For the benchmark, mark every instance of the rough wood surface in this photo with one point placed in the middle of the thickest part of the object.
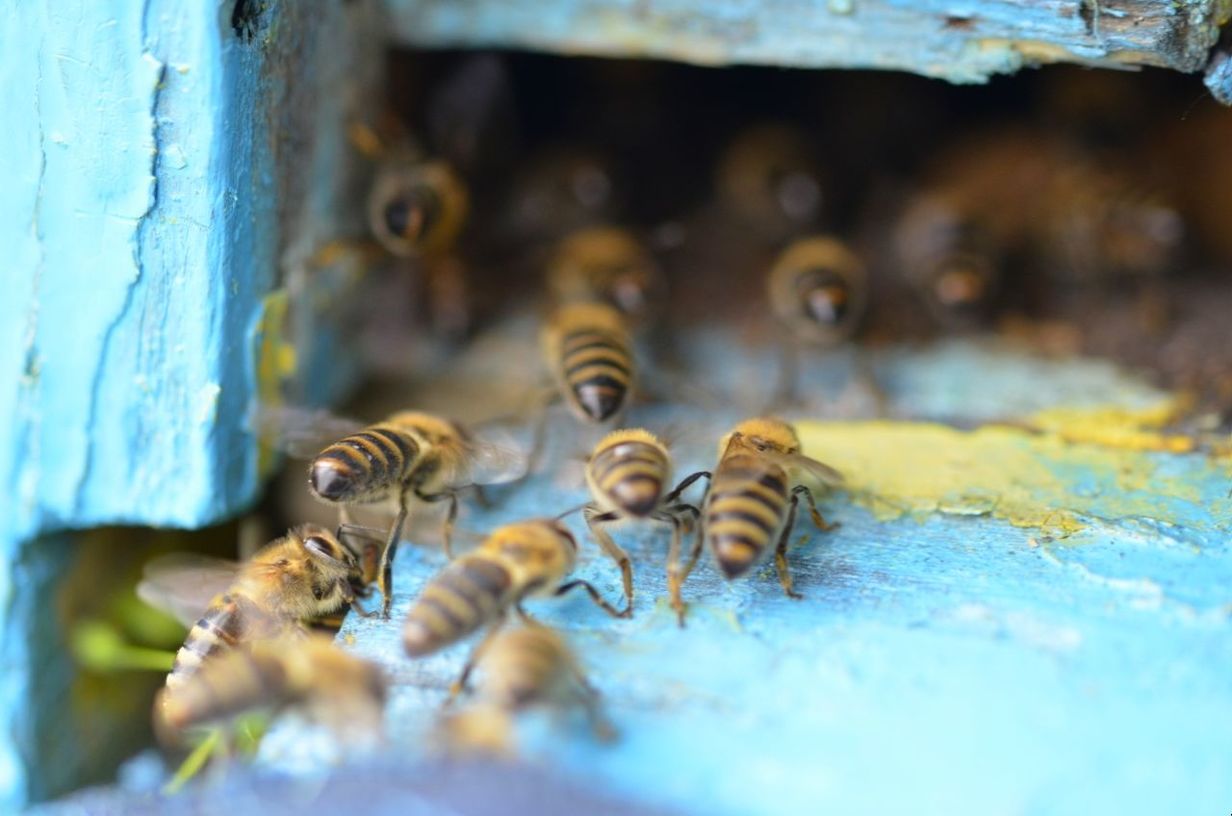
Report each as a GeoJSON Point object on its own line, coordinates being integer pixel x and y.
{"type": "Point", "coordinates": [957, 41]}
{"type": "Point", "coordinates": [1028, 618]}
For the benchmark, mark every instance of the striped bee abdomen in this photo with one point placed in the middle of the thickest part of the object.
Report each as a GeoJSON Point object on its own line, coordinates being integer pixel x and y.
{"type": "Point", "coordinates": [746, 508]}
{"type": "Point", "coordinates": [523, 666]}
{"type": "Point", "coordinates": [631, 476]}
{"type": "Point", "coordinates": [364, 466]}
{"type": "Point", "coordinates": [220, 628]}
{"type": "Point", "coordinates": [597, 370]}
{"type": "Point", "coordinates": [250, 680]}
{"type": "Point", "coordinates": [465, 595]}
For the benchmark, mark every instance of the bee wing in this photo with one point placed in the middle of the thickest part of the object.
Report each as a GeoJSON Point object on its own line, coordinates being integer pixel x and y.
{"type": "Point", "coordinates": [495, 458]}
{"type": "Point", "coordinates": [808, 467]}
{"type": "Point", "coordinates": [823, 473]}
{"type": "Point", "coordinates": [302, 432]}
{"type": "Point", "coordinates": [183, 585]}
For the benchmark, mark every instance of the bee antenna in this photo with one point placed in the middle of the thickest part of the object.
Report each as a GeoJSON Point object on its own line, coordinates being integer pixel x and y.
{"type": "Point", "coordinates": [570, 511]}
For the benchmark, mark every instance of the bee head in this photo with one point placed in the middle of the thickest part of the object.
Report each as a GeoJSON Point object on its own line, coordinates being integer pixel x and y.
{"type": "Point", "coordinates": [324, 548]}
{"type": "Point", "coordinates": [762, 435]}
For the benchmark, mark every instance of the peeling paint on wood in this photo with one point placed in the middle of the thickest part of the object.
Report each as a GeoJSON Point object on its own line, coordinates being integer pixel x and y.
{"type": "Point", "coordinates": [960, 42]}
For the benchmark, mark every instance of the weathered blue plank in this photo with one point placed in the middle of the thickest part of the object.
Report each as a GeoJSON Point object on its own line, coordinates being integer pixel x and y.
{"type": "Point", "coordinates": [965, 662]}
{"type": "Point", "coordinates": [153, 176]}
{"type": "Point", "coordinates": [959, 41]}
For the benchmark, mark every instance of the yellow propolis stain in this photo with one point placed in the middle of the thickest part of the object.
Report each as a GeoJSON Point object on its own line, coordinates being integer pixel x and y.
{"type": "Point", "coordinates": [1044, 473]}
{"type": "Point", "coordinates": [1116, 427]}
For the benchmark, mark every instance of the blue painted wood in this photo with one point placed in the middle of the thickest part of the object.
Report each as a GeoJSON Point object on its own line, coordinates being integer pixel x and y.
{"type": "Point", "coordinates": [961, 41]}
{"type": "Point", "coordinates": [154, 164]}
{"type": "Point", "coordinates": [955, 664]}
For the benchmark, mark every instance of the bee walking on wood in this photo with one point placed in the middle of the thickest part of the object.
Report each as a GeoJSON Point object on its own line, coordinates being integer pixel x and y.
{"type": "Point", "coordinates": [818, 290]}
{"type": "Point", "coordinates": [303, 576]}
{"type": "Point", "coordinates": [751, 503]}
{"type": "Point", "coordinates": [343, 692]}
{"type": "Point", "coordinates": [587, 348]}
{"type": "Point", "coordinates": [515, 562]}
{"type": "Point", "coordinates": [628, 474]}
{"type": "Point", "coordinates": [410, 455]}
{"type": "Point", "coordinates": [521, 668]}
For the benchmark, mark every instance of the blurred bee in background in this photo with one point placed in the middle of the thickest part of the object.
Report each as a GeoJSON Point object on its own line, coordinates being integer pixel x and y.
{"type": "Point", "coordinates": [607, 265]}
{"type": "Point", "coordinates": [1105, 225]}
{"type": "Point", "coordinates": [417, 206]}
{"type": "Point", "coordinates": [627, 474]}
{"type": "Point", "coordinates": [818, 291]}
{"type": "Point", "coordinates": [342, 692]}
{"type": "Point", "coordinates": [588, 350]}
{"type": "Point", "coordinates": [521, 668]}
{"type": "Point", "coordinates": [560, 191]}
{"type": "Point", "coordinates": [948, 259]}
{"type": "Point", "coordinates": [303, 576]}
{"type": "Point", "coordinates": [759, 479]}
{"type": "Point", "coordinates": [515, 562]}
{"type": "Point", "coordinates": [768, 180]}
{"type": "Point", "coordinates": [411, 455]}
{"type": "Point", "coordinates": [1020, 198]}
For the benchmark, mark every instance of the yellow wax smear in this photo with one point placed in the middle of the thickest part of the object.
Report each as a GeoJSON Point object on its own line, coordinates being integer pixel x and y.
{"type": "Point", "coordinates": [1030, 479]}
{"type": "Point", "coordinates": [1116, 427]}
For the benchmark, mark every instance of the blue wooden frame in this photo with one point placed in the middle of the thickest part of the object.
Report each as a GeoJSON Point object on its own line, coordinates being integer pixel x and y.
{"type": "Point", "coordinates": [161, 164]}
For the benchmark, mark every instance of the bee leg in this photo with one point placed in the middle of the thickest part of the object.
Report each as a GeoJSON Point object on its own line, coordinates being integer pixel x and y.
{"type": "Point", "coordinates": [594, 596]}
{"type": "Point", "coordinates": [613, 550]}
{"type": "Point", "coordinates": [482, 498]}
{"type": "Point", "coordinates": [786, 391]}
{"type": "Point", "coordinates": [538, 438]}
{"type": "Point", "coordinates": [589, 698]}
{"type": "Point", "coordinates": [868, 379]}
{"type": "Point", "coordinates": [385, 581]}
{"type": "Point", "coordinates": [459, 685]}
{"type": "Point", "coordinates": [817, 518]}
{"type": "Point", "coordinates": [367, 556]}
{"type": "Point", "coordinates": [526, 617]}
{"type": "Point", "coordinates": [684, 485]}
{"type": "Point", "coordinates": [780, 552]}
{"type": "Point", "coordinates": [677, 575]}
{"type": "Point", "coordinates": [450, 496]}
{"type": "Point", "coordinates": [351, 597]}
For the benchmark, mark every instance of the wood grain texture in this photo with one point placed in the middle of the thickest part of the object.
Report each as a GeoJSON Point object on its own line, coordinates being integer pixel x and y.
{"type": "Point", "coordinates": [957, 41]}
{"type": "Point", "coordinates": [157, 165]}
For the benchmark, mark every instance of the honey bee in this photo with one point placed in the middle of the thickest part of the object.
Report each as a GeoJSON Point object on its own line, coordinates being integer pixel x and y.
{"type": "Point", "coordinates": [410, 455]}
{"type": "Point", "coordinates": [516, 561]}
{"type": "Point", "coordinates": [753, 494]}
{"type": "Point", "coordinates": [342, 692]}
{"type": "Point", "coordinates": [607, 265]}
{"type": "Point", "coordinates": [950, 259]}
{"type": "Point", "coordinates": [769, 180]}
{"type": "Point", "coordinates": [1104, 224]}
{"type": "Point", "coordinates": [628, 473]}
{"type": "Point", "coordinates": [818, 289]}
{"type": "Point", "coordinates": [587, 347]}
{"type": "Point", "coordinates": [417, 206]}
{"type": "Point", "coordinates": [297, 578]}
{"type": "Point", "coordinates": [522, 667]}
{"type": "Point", "coordinates": [562, 190]}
